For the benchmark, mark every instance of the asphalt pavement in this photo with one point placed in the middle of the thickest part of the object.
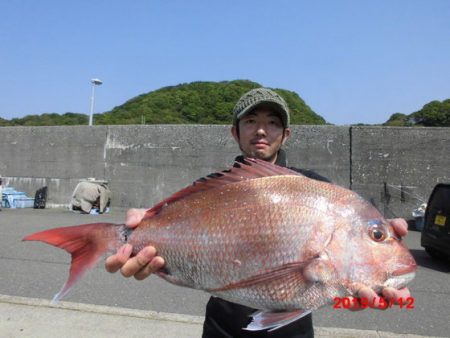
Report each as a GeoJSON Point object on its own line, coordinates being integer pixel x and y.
{"type": "Point", "coordinates": [103, 304]}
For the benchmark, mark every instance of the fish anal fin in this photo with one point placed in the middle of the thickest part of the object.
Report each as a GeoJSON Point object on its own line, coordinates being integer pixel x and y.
{"type": "Point", "coordinates": [265, 320]}
{"type": "Point", "coordinates": [290, 271]}
{"type": "Point", "coordinates": [249, 169]}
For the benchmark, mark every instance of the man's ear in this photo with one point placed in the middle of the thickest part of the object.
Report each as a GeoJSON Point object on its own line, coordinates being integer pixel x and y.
{"type": "Point", "coordinates": [235, 133]}
{"type": "Point", "coordinates": [286, 134]}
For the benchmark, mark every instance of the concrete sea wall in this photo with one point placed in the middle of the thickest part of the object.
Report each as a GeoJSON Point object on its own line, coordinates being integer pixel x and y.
{"type": "Point", "coordinates": [392, 167]}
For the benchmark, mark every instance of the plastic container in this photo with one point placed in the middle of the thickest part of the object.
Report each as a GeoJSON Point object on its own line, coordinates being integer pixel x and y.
{"type": "Point", "coordinates": [419, 215]}
{"type": "Point", "coordinates": [26, 202]}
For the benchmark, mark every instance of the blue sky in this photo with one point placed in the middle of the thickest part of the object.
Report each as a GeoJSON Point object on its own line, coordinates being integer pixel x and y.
{"type": "Point", "coordinates": [351, 61]}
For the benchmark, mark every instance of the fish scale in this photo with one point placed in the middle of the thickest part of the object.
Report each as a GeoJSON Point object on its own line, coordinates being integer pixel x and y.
{"type": "Point", "coordinates": [276, 231]}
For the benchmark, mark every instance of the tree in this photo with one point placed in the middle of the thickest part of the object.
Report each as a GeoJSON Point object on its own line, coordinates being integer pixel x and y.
{"type": "Point", "coordinates": [434, 113]}
{"type": "Point", "coordinates": [397, 120]}
{"type": "Point", "coordinates": [48, 119]}
{"type": "Point", "coordinates": [4, 122]}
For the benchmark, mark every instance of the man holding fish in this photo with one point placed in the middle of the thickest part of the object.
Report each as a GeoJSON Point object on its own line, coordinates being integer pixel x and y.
{"type": "Point", "coordinates": [260, 127]}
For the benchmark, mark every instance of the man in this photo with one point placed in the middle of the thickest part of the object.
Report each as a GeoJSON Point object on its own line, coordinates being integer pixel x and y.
{"type": "Point", "coordinates": [260, 127]}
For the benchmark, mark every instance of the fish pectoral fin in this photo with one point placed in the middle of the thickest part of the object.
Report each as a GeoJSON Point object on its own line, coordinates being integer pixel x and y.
{"type": "Point", "coordinates": [291, 271]}
{"type": "Point", "coordinates": [319, 271]}
{"type": "Point", "coordinates": [263, 320]}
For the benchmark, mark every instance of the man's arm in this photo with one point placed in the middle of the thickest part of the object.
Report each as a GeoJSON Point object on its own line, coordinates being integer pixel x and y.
{"type": "Point", "coordinates": [144, 263]}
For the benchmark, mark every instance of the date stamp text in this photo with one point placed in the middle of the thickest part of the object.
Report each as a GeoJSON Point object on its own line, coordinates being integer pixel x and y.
{"type": "Point", "coordinates": [380, 303]}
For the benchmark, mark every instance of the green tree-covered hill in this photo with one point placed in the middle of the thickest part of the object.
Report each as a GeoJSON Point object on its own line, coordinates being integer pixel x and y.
{"type": "Point", "coordinates": [51, 119]}
{"type": "Point", "coordinates": [191, 103]}
{"type": "Point", "coordinates": [198, 102]}
{"type": "Point", "coordinates": [433, 114]}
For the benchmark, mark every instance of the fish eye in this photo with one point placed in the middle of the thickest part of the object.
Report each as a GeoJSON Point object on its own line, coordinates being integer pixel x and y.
{"type": "Point", "coordinates": [376, 231]}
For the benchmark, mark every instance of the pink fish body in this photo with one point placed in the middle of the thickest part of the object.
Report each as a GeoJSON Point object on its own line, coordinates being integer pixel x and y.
{"type": "Point", "coordinates": [258, 235]}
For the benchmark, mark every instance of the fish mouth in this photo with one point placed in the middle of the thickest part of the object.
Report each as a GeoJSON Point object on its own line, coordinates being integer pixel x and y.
{"type": "Point", "coordinates": [401, 277]}
{"type": "Point", "coordinates": [405, 270]}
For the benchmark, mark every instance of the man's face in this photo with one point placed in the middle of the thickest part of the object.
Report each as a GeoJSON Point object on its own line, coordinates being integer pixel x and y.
{"type": "Point", "coordinates": [261, 134]}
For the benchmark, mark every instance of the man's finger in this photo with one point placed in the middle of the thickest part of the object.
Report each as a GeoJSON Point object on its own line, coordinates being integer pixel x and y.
{"type": "Point", "coordinates": [355, 304]}
{"type": "Point", "coordinates": [154, 265]}
{"type": "Point", "coordinates": [138, 262]}
{"type": "Point", "coordinates": [396, 295]}
{"type": "Point", "coordinates": [115, 262]}
{"type": "Point", "coordinates": [134, 216]}
{"type": "Point", "coordinates": [400, 226]}
{"type": "Point", "coordinates": [371, 299]}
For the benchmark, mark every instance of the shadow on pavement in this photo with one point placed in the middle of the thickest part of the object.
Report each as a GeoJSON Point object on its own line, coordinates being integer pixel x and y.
{"type": "Point", "coordinates": [425, 260]}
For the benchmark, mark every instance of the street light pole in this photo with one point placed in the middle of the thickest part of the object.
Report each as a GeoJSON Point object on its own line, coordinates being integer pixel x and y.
{"type": "Point", "coordinates": [95, 82]}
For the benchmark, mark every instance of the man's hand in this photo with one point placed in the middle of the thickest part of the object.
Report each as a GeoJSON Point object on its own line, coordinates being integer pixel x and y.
{"type": "Point", "coordinates": [144, 263]}
{"type": "Point", "coordinates": [400, 226]}
{"type": "Point", "coordinates": [389, 294]}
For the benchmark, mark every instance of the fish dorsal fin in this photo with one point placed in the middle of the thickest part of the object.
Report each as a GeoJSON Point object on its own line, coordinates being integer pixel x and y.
{"type": "Point", "coordinates": [249, 169]}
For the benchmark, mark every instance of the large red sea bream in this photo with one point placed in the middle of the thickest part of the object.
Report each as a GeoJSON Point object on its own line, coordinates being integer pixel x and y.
{"type": "Point", "coordinates": [259, 235]}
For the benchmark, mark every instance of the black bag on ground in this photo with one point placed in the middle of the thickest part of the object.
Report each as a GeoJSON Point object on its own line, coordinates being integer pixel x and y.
{"type": "Point", "coordinates": [40, 198]}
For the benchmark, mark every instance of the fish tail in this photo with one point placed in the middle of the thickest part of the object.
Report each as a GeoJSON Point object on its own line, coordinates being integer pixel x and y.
{"type": "Point", "coordinates": [86, 243]}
